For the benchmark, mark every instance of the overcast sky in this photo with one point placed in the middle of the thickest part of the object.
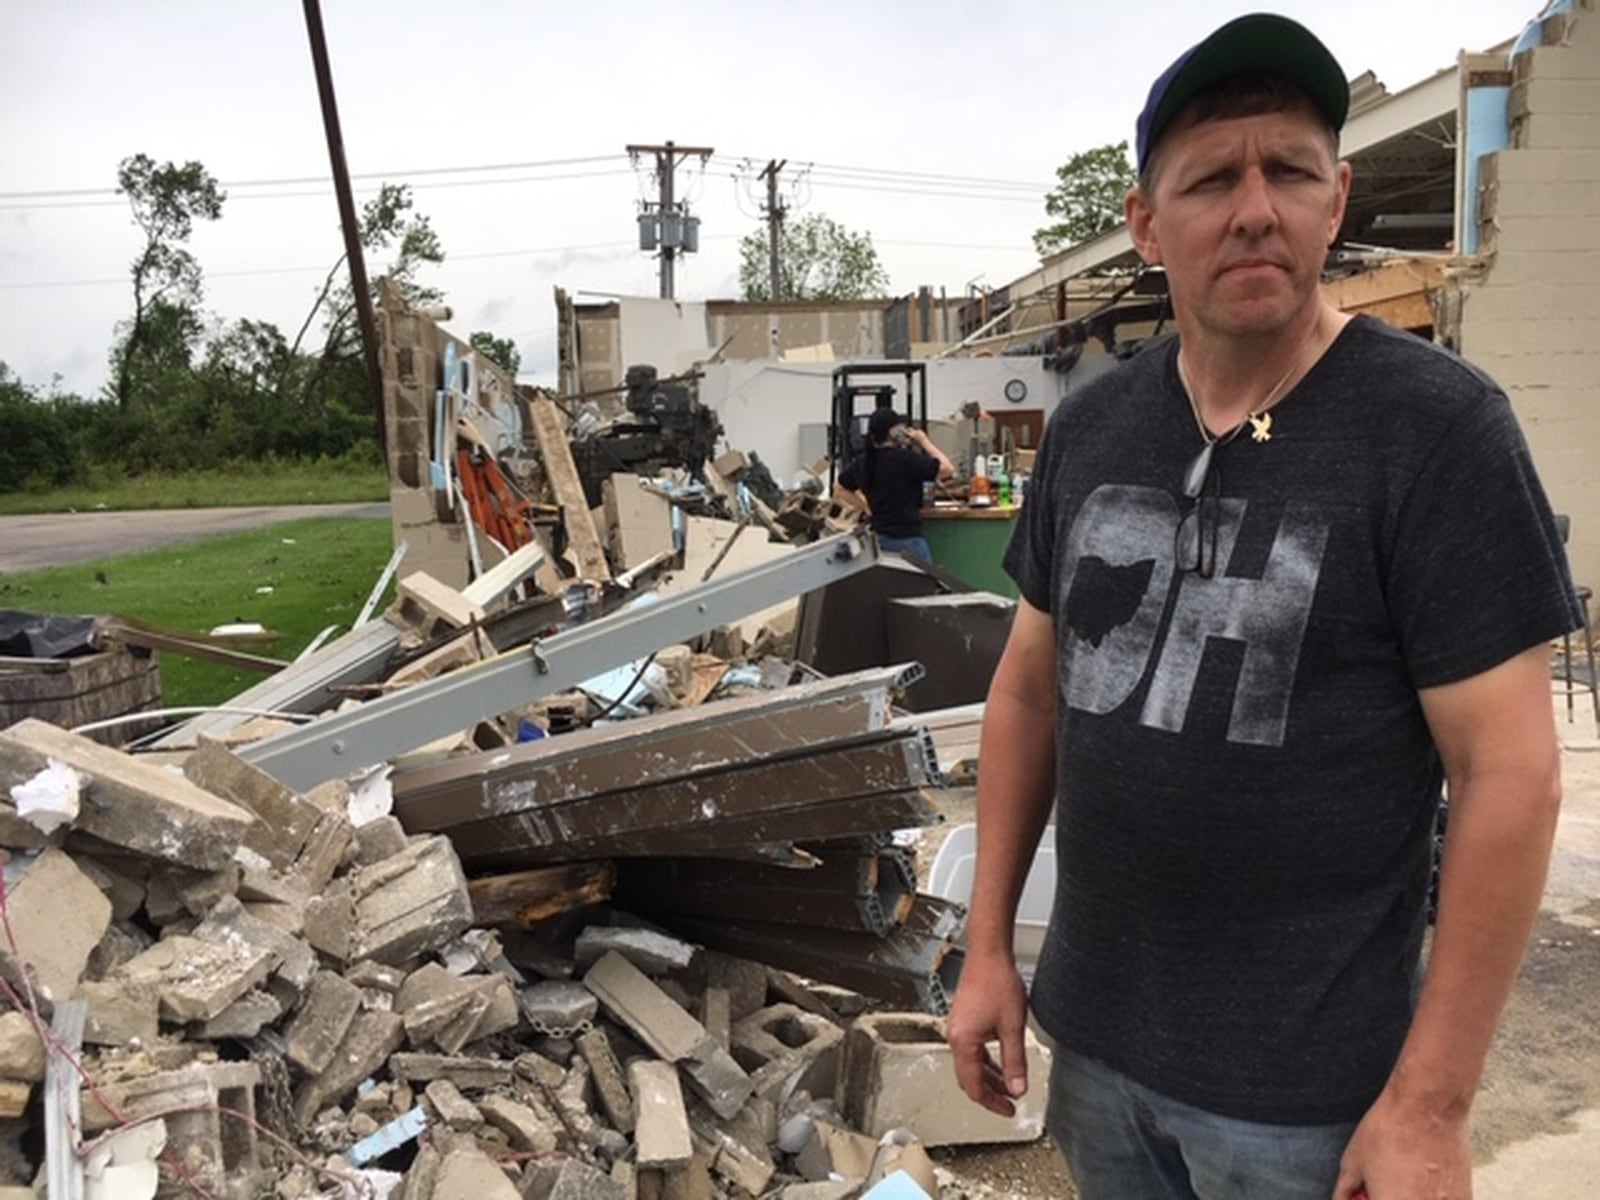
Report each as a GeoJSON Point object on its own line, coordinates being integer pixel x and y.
{"type": "Point", "coordinates": [934, 125]}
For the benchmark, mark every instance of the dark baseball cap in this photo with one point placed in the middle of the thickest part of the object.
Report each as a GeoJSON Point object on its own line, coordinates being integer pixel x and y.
{"type": "Point", "coordinates": [882, 421]}
{"type": "Point", "coordinates": [1258, 44]}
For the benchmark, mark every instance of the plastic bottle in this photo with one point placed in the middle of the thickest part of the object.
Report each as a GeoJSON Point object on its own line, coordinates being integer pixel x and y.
{"type": "Point", "coordinates": [979, 494]}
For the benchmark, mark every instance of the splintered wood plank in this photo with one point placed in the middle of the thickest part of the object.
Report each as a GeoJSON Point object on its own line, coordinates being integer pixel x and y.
{"type": "Point", "coordinates": [525, 897]}
{"type": "Point", "coordinates": [549, 429]}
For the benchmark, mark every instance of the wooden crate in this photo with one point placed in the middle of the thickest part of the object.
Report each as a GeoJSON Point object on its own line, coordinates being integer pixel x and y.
{"type": "Point", "coordinates": [75, 691]}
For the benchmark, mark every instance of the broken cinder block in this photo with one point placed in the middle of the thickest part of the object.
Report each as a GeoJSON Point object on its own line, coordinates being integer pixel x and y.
{"type": "Point", "coordinates": [284, 818]}
{"type": "Point", "coordinates": [668, 1030]}
{"type": "Point", "coordinates": [410, 903]}
{"type": "Point", "coordinates": [128, 802]}
{"type": "Point", "coordinates": [897, 1073]}
{"type": "Point", "coordinates": [58, 917]}
{"type": "Point", "coordinates": [196, 980]}
{"type": "Point", "coordinates": [661, 1133]}
{"type": "Point", "coordinates": [219, 1152]}
{"type": "Point", "coordinates": [320, 1024]}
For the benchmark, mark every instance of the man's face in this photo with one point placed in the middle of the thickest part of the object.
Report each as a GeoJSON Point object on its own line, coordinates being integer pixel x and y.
{"type": "Point", "coordinates": [1241, 215]}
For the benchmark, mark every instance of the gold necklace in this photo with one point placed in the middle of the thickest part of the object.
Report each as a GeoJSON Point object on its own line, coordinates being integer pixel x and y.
{"type": "Point", "coordinates": [1259, 419]}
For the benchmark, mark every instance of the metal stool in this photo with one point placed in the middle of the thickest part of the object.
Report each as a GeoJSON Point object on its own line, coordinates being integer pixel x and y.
{"type": "Point", "coordinates": [1590, 681]}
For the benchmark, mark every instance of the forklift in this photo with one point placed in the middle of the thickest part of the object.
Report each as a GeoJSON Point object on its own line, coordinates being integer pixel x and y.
{"type": "Point", "coordinates": [847, 425]}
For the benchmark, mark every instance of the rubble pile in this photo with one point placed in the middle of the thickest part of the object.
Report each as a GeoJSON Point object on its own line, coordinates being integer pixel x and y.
{"type": "Point", "coordinates": [273, 999]}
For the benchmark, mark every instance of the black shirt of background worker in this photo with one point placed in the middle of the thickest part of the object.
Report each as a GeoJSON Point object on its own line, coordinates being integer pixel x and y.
{"type": "Point", "coordinates": [891, 477]}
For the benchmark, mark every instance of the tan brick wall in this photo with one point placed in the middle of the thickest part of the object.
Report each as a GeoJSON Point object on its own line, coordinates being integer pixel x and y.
{"type": "Point", "coordinates": [1533, 322]}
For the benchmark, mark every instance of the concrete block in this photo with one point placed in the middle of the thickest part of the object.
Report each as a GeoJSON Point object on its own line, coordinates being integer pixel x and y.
{"type": "Point", "coordinates": [121, 1013]}
{"type": "Point", "coordinates": [610, 1084]}
{"type": "Point", "coordinates": [244, 1018]}
{"type": "Point", "coordinates": [663, 1025]}
{"type": "Point", "coordinates": [661, 1133]}
{"type": "Point", "coordinates": [527, 1130]}
{"type": "Point", "coordinates": [127, 802]}
{"type": "Point", "coordinates": [330, 921]}
{"type": "Point", "coordinates": [321, 1023]}
{"type": "Point", "coordinates": [716, 1013]}
{"type": "Point", "coordinates": [229, 922]}
{"type": "Point", "coordinates": [784, 1047]}
{"type": "Point", "coordinates": [500, 1011]}
{"type": "Point", "coordinates": [220, 1153]}
{"type": "Point", "coordinates": [196, 980]}
{"type": "Point", "coordinates": [372, 1038]}
{"type": "Point", "coordinates": [452, 1108]}
{"type": "Point", "coordinates": [736, 1148]}
{"type": "Point", "coordinates": [202, 891]}
{"type": "Point", "coordinates": [462, 1027]}
{"type": "Point", "coordinates": [327, 850]}
{"type": "Point", "coordinates": [469, 1073]}
{"type": "Point", "coordinates": [380, 839]}
{"type": "Point", "coordinates": [898, 1073]}
{"type": "Point", "coordinates": [559, 1007]}
{"type": "Point", "coordinates": [653, 953]}
{"type": "Point", "coordinates": [263, 886]}
{"type": "Point", "coordinates": [284, 819]}
{"type": "Point", "coordinates": [467, 1173]}
{"type": "Point", "coordinates": [570, 1180]}
{"type": "Point", "coordinates": [58, 917]}
{"type": "Point", "coordinates": [410, 903]}
{"type": "Point", "coordinates": [429, 999]}
{"type": "Point", "coordinates": [376, 977]}
{"type": "Point", "coordinates": [642, 1007]}
{"type": "Point", "coordinates": [21, 1051]}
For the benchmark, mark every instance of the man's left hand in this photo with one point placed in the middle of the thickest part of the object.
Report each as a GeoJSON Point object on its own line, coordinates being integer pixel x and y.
{"type": "Point", "coordinates": [1403, 1151]}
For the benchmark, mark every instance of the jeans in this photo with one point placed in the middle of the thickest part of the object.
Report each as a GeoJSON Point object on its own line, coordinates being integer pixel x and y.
{"type": "Point", "coordinates": [1125, 1142]}
{"type": "Point", "coordinates": [912, 547]}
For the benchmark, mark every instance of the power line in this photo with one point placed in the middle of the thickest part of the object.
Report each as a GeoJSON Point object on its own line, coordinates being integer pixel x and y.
{"type": "Point", "coordinates": [304, 179]}
{"type": "Point", "coordinates": [475, 256]}
{"type": "Point", "coordinates": [324, 191]}
{"type": "Point", "coordinates": [923, 176]}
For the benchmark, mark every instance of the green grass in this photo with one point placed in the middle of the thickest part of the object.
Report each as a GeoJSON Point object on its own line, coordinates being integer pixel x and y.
{"type": "Point", "coordinates": [319, 570]}
{"type": "Point", "coordinates": [331, 481]}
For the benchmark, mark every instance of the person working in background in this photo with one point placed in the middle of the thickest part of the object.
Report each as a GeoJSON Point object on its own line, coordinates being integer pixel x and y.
{"type": "Point", "coordinates": [1280, 580]}
{"type": "Point", "coordinates": [890, 471]}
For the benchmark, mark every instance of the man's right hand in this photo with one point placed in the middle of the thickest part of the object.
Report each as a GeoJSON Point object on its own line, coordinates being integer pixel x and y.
{"type": "Point", "coordinates": [990, 1004]}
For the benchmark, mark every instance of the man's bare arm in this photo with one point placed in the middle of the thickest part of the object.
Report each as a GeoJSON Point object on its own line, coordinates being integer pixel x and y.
{"type": "Point", "coordinates": [1016, 789]}
{"type": "Point", "coordinates": [1496, 736]}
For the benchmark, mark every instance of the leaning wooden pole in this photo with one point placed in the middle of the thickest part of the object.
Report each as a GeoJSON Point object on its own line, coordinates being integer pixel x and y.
{"type": "Point", "coordinates": [347, 213]}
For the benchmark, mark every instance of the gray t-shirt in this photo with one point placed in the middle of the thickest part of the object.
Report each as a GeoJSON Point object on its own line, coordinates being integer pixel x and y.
{"type": "Point", "coordinates": [1246, 785]}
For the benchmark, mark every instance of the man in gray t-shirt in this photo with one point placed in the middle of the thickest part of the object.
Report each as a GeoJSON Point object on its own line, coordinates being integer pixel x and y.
{"type": "Point", "coordinates": [1280, 581]}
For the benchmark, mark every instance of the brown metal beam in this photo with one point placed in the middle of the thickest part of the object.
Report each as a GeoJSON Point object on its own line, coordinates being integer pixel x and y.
{"type": "Point", "coordinates": [916, 966]}
{"type": "Point", "coordinates": [649, 750]}
{"type": "Point", "coordinates": [766, 835]}
{"type": "Point", "coordinates": [895, 762]}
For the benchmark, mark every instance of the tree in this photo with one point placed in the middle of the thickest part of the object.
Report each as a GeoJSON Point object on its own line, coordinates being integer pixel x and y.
{"type": "Point", "coordinates": [501, 351]}
{"type": "Point", "coordinates": [818, 259]}
{"type": "Point", "coordinates": [166, 201]}
{"type": "Point", "coordinates": [386, 220]}
{"type": "Point", "coordinates": [1088, 199]}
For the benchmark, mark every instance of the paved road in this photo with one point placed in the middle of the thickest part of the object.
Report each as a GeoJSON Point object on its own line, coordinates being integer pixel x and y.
{"type": "Point", "coordinates": [60, 539]}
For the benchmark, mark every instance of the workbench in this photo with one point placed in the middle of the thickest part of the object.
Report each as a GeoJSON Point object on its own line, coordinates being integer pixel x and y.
{"type": "Point", "coordinates": [970, 542]}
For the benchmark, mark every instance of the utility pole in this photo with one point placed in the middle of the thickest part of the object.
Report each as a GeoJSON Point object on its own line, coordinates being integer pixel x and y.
{"type": "Point", "coordinates": [347, 211]}
{"type": "Point", "coordinates": [775, 213]}
{"type": "Point", "coordinates": [669, 227]}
